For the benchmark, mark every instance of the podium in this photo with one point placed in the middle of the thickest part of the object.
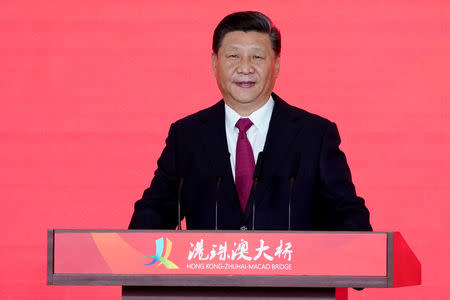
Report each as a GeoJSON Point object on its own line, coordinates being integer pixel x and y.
{"type": "Point", "coordinates": [168, 264]}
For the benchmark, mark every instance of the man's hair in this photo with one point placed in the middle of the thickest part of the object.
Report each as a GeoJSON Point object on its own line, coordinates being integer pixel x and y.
{"type": "Point", "coordinates": [247, 21]}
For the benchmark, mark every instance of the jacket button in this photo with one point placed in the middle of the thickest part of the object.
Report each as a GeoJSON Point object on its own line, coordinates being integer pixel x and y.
{"type": "Point", "coordinates": [243, 227]}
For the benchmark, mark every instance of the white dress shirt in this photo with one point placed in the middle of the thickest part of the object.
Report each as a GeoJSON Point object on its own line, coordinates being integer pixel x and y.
{"type": "Point", "coordinates": [256, 134]}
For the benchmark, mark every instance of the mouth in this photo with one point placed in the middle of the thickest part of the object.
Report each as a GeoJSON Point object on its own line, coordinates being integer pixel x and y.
{"type": "Point", "coordinates": [245, 84]}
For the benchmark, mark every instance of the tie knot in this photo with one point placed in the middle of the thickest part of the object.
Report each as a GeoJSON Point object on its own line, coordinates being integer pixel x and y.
{"type": "Point", "coordinates": [244, 124]}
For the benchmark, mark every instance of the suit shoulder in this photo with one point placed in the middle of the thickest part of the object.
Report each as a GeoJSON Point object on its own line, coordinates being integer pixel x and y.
{"type": "Point", "coordinates": [199, 116]}
{"type": "Point", "coordinates": [307, 117]}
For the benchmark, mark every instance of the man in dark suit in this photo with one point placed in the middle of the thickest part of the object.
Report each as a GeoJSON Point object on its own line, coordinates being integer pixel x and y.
{"type": "Point", "coordinates": [301, 180]}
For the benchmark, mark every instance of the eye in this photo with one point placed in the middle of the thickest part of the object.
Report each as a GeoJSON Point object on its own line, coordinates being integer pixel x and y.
{"type": "Point", "coordinates": [233, 56]}
{"type": "Point", "coordinates": [257, 57]}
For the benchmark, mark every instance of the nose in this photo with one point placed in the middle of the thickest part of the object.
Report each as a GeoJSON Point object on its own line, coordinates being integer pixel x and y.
{"type": "Point", "coordinates": [245, 66]}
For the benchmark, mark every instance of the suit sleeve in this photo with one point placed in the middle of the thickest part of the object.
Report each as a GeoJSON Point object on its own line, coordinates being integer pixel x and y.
{"type": "Point", "coordinates": [344, 210]}
{"type": "Point", "coordinates": [158, 207]}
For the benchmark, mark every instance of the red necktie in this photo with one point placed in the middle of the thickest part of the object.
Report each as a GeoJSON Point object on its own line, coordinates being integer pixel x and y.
{"type": "Point", "coordinates": [245, 163]}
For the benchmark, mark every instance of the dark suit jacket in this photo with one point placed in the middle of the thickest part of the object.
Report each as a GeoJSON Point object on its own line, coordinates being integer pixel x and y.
{"type": "Point", "coordinates": [324, 197]}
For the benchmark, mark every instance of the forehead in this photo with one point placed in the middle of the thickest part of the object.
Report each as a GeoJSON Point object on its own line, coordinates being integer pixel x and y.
{"type": "Point", "coordinates": [249, 39]}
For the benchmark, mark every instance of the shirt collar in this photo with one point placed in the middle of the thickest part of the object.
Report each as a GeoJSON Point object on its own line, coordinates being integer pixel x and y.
{"type": "Point", "coordinates": [260, 118]}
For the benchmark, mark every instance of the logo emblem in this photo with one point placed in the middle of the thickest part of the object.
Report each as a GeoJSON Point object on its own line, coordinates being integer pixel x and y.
{"type": "Point", "coordinates": [158, 255]}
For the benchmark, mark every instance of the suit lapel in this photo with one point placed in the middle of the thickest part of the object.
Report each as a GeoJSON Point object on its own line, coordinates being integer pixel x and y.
{"type": "Point", "coordinates": [214, 141]}
{"type": "Point", "coordinates": [283, 128]}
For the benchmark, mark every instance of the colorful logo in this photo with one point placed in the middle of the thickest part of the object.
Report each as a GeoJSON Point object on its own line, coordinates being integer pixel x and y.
{"type": "Point", "coordinates": [164, 259]}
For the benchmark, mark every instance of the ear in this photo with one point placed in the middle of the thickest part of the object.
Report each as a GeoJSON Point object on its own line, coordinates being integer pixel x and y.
{"type": "Point", "coordinates": [214, 63]}
{"type": "Point", "coordinates": [277, 66]}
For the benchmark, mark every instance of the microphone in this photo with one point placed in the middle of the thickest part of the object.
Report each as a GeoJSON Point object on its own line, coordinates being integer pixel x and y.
{"type": "Point", "coordinates": [256, 179]}
{"type": "Point", "coordinates": [220, 175]}
{"type": "Point", "coordinates": [295, 164]}
{"type": "Point", "coordinates": [184, 169]}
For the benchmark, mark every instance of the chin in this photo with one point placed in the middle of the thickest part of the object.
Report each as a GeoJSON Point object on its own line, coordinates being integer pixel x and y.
{"type": "Point", "coordinates": [246, 96]}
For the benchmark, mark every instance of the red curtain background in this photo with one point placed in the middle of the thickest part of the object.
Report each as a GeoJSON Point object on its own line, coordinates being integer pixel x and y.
{"type": "Point", "coordinates": [88, 91]}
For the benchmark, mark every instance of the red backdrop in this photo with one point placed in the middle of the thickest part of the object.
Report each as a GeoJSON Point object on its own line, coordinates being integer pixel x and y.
{"type": "Point", "coordinates": [88, 91]}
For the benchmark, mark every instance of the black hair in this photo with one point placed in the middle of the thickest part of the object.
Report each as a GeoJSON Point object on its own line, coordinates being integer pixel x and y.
{"type": "Point", "coordinates": [247, 21]}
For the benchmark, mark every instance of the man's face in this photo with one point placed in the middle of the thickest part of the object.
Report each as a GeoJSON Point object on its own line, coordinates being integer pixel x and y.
{"type": "Point", "coordinates": [245, 68]}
